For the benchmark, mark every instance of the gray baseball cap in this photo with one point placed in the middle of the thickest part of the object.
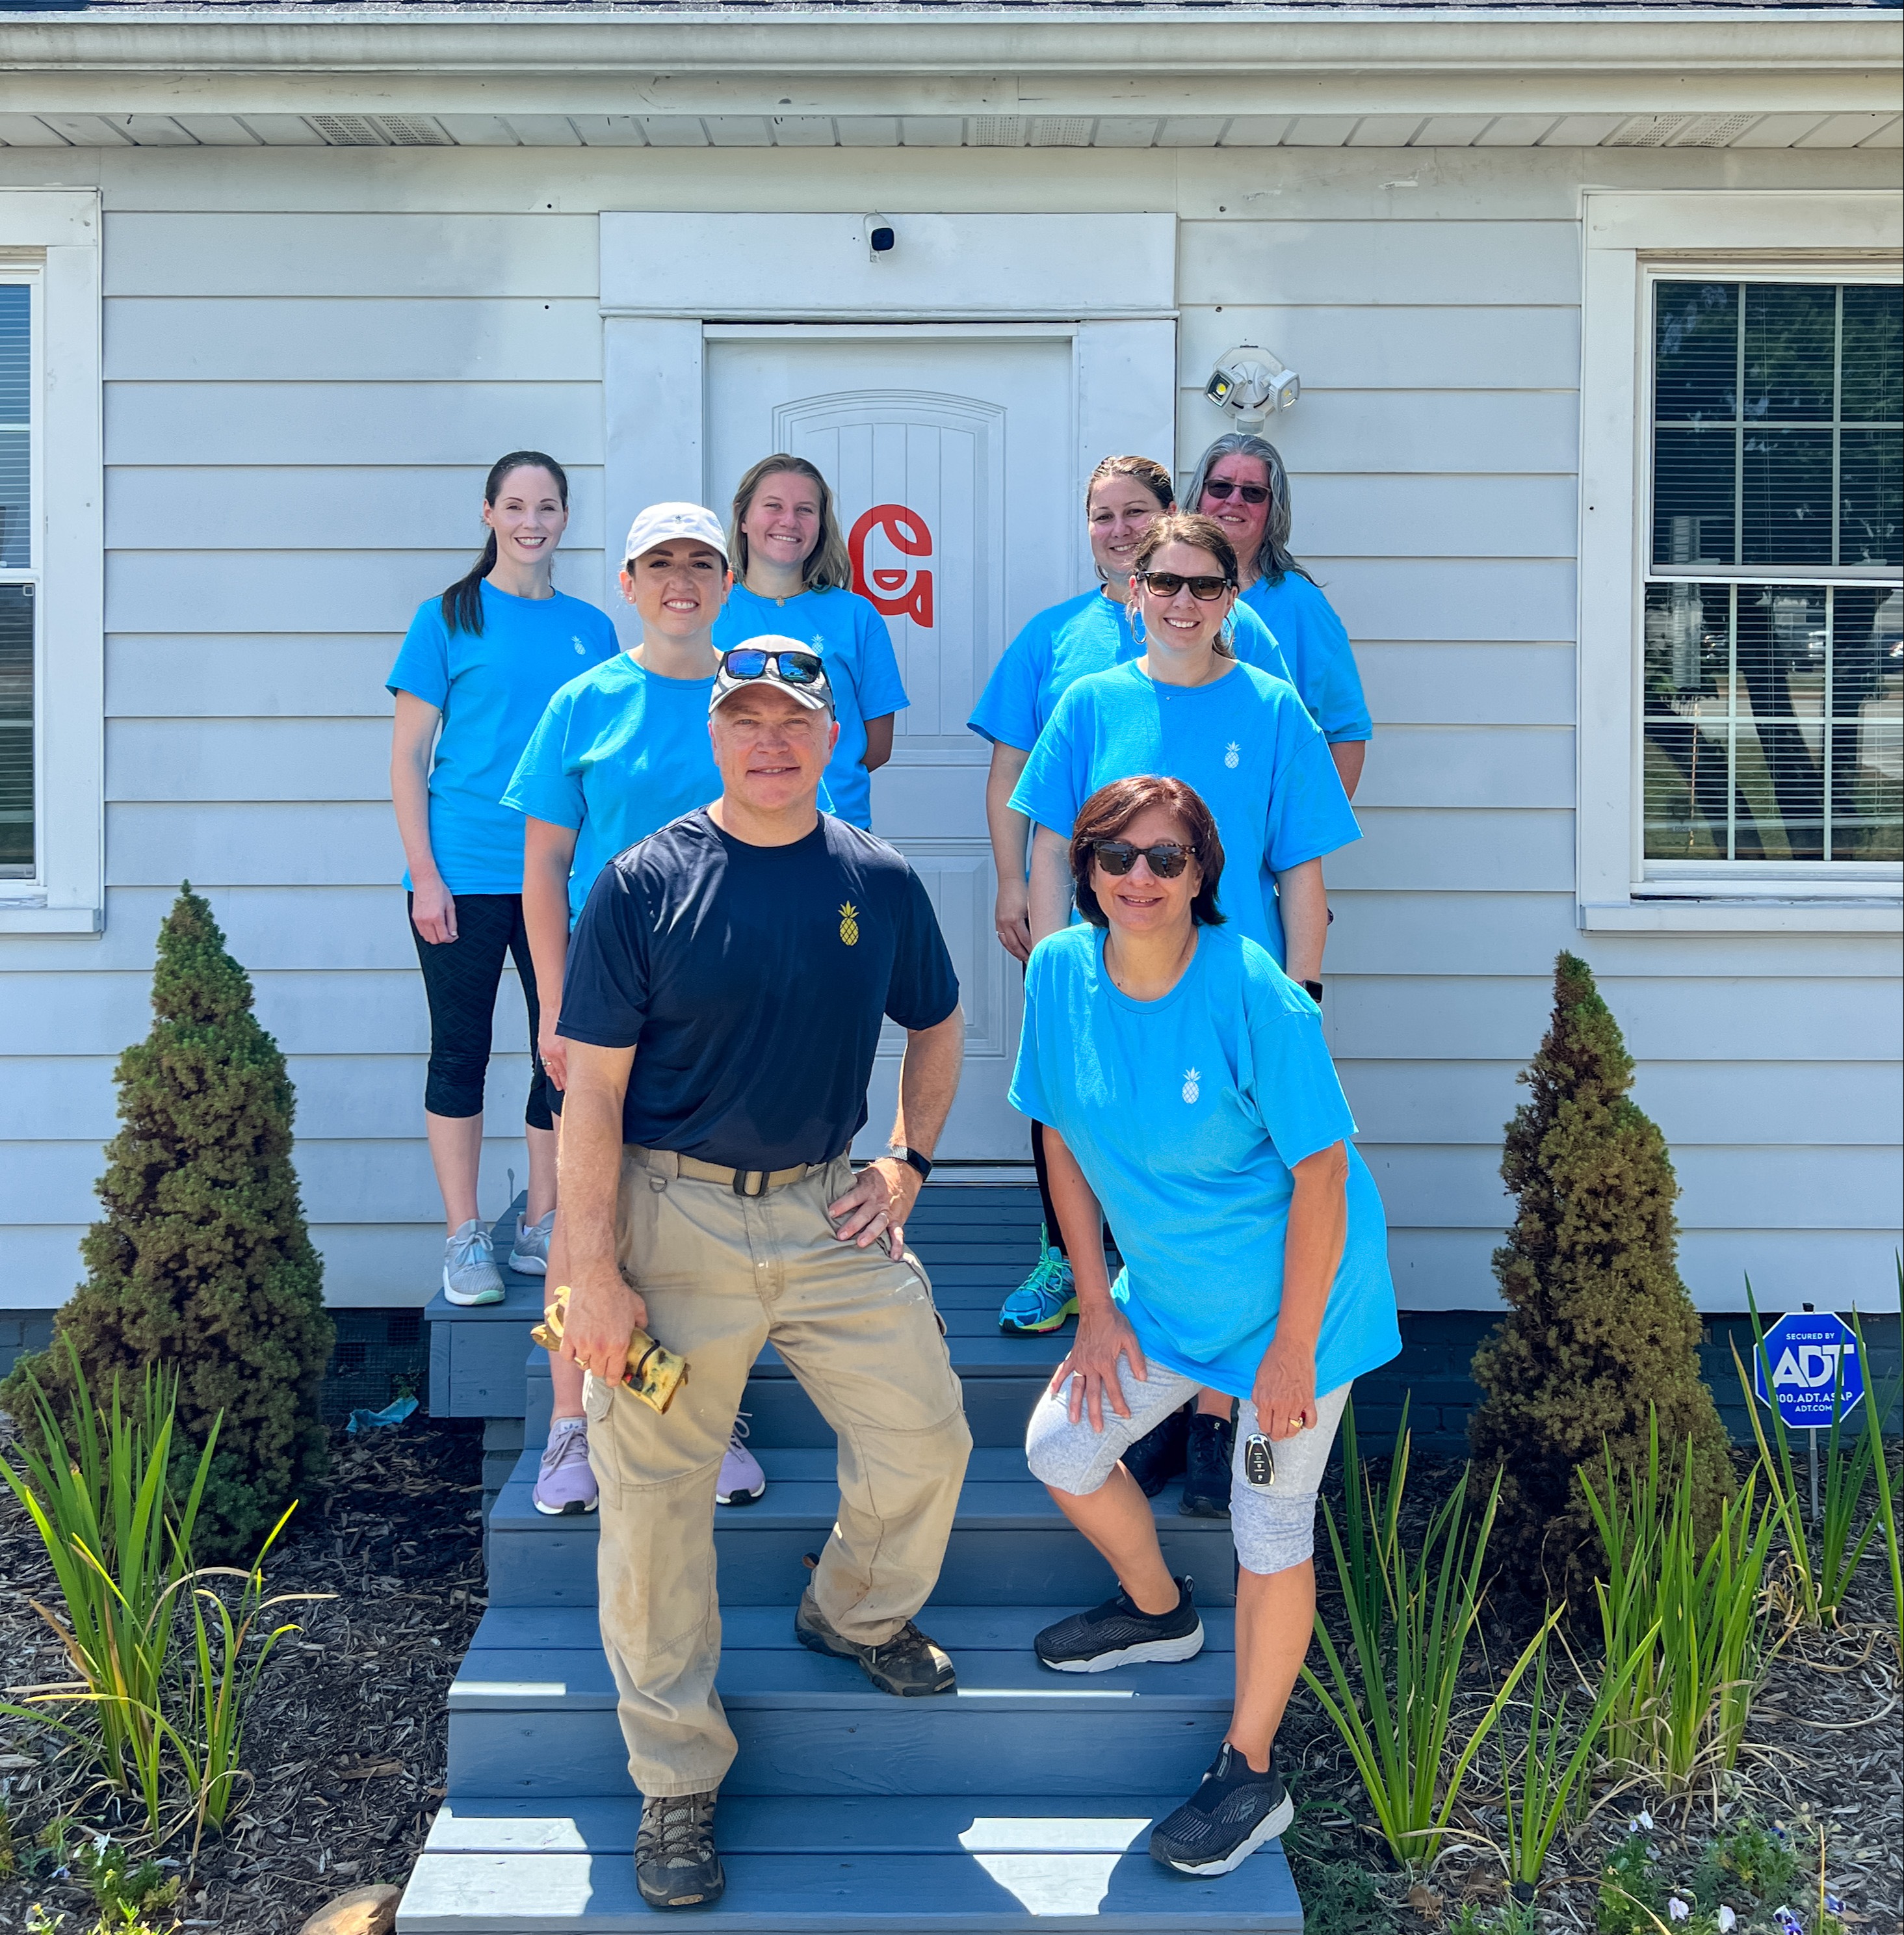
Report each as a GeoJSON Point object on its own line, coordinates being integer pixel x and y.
{"type": "Point", "coordinates": [814, 692]}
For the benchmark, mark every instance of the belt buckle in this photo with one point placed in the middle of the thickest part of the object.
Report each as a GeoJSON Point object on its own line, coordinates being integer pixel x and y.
{"type": "Point", "coordinates": [741, 1188]}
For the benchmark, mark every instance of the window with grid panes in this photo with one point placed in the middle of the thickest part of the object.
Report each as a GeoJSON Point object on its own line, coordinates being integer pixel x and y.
{"type": "Point", "coordinates": [19, 603]}
{"type": "Point", "coordinates": [1773, 664]}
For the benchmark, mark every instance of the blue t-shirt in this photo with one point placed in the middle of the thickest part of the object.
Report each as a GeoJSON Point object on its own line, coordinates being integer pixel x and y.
{"type": "Point", "coordinates": [1060, 646]}
{"type": "Point", "coordinates": [852, 638]}
{"type": "Point", "coordinates": [751, 982]}
{"type": "Point", "coordinates": [1186, 1115]}
{"type": "Point", "coordinates": [620, 751]}
{"type": "Point", "coordinates": [1243, 741]}
{"type": "Point", "coordinates": [1321, 661]}
{"type": "Point", "coordinates": [490, 688]}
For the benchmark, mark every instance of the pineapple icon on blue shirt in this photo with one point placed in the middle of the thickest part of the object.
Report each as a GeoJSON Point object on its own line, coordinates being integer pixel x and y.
{"type": "Point", "coordinates": [1192, 1085]}
{"type": "Point", "coordinates": [849, 923]}
{"type": "Point", "coordinates": [1233, 755]}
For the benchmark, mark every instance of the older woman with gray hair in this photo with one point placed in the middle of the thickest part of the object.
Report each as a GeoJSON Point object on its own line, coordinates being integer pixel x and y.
{"type": "Point", "coordinates": [1241, 482]}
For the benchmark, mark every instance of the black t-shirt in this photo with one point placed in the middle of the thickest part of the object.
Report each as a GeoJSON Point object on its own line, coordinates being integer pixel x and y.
{"type": "Point", "coordinates": [750, 981]}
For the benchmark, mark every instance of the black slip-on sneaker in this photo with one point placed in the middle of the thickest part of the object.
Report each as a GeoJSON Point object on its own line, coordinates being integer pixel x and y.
{"type": "Point", "coordinates": [1229, 1817]}
{"type": "Point", "coordinates": [1159, 1455]}
{"type": "Point", "coordinates": [908, 1665]}
{"type": "Point", "coordinates": [675, 1863]}
{"type": "Point", "coordinates": [1206, 1476]}
{"type": "Point", "coordinates": [1118, 1634]}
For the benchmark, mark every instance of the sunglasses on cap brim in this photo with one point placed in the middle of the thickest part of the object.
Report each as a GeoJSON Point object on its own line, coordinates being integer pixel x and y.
{"type": "Point", "coordinates": [790, 667]}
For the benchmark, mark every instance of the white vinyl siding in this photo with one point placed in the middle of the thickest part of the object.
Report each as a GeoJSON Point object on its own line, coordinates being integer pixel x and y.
{"type": "Point", "coordinates": [318, 354]}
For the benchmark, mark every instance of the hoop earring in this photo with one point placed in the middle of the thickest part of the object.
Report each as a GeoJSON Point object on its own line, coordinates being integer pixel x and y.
{"type": "Point", "coordinates": [1228, 628]}
{"type": "Point", "coordinates": [1136, 622]}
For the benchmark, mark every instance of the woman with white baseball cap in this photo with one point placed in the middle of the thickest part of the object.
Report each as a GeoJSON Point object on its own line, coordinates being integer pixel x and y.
{"type": "Point", "coordinates": [620, 751]}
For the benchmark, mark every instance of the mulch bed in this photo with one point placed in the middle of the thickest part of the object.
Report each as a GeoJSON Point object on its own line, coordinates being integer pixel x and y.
{"type": "Point", "coordinates": [348, 1735]}
{"type": "Point", "coordinates": [348, 1740]}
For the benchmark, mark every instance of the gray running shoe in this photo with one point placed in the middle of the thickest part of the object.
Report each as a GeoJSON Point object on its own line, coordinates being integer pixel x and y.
{"type": "Point", "coordinates": [565, 1483]}
{"type": "Point", "coordinates": [529, 1253]}
{"type": "Point", "coordinates": [908, 1664]}
{"type": "Point", "coordinates": [469, 1272]}
{"type": "Point", "coordinates": [675, 1863]}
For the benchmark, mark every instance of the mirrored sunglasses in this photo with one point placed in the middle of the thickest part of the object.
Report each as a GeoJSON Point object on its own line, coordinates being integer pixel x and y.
{"type": "Point", "coordinates": [746, 662]}
{"type": "Point", "coordinates": [1222, 490]}
{"type": "Point", "coordinates": [1167, 858]}
{"type": "Point", "coordinates": [1168, 584]}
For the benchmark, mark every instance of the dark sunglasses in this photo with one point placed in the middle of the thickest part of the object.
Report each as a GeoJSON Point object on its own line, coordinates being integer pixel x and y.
{"type": "Point", "coordinates": [1168, 584]}
{"type": "Point", "coordinates": [1167, 858]}
{"type": "Point", "coordinates": [1222, 490]}
{"type": "Point", "coordinates": [745, 661]}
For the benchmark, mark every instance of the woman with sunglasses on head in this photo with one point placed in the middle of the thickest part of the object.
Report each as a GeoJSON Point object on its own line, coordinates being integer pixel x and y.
{"type": "Point", "coordinates": [1240, 483]}
{"type": "Point", "coordinates": [1186, 1091]}
{"type": "Point", "coordinates": [794, 579]}
{"type": "Point", "coordinates": [1086, 634]}
{"type": "Point", "coordinates": [476, 668]}
{"type": "Point", "coordinates": [1188, 710]}
{"type": "Point", "coordinates": [620, 752]}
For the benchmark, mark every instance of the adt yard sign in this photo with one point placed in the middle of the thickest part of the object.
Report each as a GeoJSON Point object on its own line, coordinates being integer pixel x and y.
{"type": "Point", "coordinates": [1803, 1354]}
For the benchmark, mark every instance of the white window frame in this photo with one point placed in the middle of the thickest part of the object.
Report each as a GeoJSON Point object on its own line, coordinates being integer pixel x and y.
{"type": "Point", "coordinates": [1630, 241]}
{"type": "Point", "coordinates": [52, 234]}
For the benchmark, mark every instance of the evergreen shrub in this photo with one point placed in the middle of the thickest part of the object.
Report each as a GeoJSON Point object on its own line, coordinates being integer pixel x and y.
{"type": "Point", "coordinates": [1600, 1334]}
{"type": "Point", "coordinates": [202, 1265]}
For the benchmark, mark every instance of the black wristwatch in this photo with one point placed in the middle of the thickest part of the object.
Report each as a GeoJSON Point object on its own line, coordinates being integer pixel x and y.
{"type": "Point", "coordinates": [1314, 990]}
{"type": "Point", "coordinates": [913, 1159]}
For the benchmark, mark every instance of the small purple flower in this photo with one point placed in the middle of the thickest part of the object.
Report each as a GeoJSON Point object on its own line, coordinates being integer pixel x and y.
{"type": "Point", "coordinates": [1832, 1903]}
{"type": "Point", "coordinates": [1788, 1923]}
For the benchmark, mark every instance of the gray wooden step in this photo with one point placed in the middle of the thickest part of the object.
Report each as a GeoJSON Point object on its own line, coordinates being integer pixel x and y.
{"type": "Point", "coordinates": [1010, 1544]}
{"type": "Point", "coordinates": [539, 1720]}
{"type": "Point", "coordinates": [925, 1865]}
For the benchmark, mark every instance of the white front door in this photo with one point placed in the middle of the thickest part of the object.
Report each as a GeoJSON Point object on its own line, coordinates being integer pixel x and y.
{"type": "Point", "coordinates": [951, 458]}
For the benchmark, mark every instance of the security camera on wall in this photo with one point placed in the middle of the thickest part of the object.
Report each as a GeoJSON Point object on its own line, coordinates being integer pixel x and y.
{"type": "Point", "coordinates": [882, 238]}
{"type": "Point", "coordinates": [1252, 383]}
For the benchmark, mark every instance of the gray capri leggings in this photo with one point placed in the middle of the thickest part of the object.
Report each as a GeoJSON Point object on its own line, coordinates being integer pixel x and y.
{"type": "Point", "coordinates": [1274, 1525]}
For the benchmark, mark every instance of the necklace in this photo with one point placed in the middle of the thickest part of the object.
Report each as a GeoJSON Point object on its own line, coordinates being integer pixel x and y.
{"type": "Point", "coordinates": [1177, 967]}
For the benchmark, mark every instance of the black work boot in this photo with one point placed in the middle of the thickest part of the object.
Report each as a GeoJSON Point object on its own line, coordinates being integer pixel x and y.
{"type": "Point", "coordinates": [1159, 1455]}
{"type": "Point", "coordinates": [675, 1863]}
{"type": "Point", "coordinates": [1206, 1480]}
{"type": "Point", "coordinates": [907, 1665]}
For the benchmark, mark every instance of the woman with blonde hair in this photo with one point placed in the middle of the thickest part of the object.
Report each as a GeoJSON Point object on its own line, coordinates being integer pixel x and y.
{"type": "Point", "coordinates": [1240, 483]}
{"type": "Point", "coordinates": [794, 578]}
{"type": "Point", "coordinates": [1089, 633]}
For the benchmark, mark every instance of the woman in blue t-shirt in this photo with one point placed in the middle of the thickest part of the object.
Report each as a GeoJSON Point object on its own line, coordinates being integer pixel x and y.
{"type": "Point", "coordinates": [1124, 496]}
{"type": "Point", "coordinates": [620, 752]}
{"type": "Point", "coordinates": [1240, 483]}
{"type": "Point", "coordinates": [1189, 710]}
{"type": "Point", "coordinates": [1186, 1092]}
{"type": "Point", "coordinates": [794, 579]}
{"type": "Point", "coordinates": [476, 669]}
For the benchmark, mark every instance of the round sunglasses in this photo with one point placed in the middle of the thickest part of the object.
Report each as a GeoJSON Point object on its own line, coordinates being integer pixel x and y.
{"type": "Point", "coordinates": [1223, 491]}
{"type": "Point", "coordinates": [1167, 858]}
{"type": "Point", "coordinates": [790, 667]}
{"type": "Point", "coordinates": [1205, 588]}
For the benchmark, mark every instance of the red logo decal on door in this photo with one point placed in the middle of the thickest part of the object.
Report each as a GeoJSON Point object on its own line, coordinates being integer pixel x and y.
{"type": "Point", "coordinates": [884, 586]}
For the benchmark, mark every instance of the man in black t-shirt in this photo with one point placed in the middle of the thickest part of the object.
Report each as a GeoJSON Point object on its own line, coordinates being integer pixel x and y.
{"type": "Point", "coordinates": [724, 990]}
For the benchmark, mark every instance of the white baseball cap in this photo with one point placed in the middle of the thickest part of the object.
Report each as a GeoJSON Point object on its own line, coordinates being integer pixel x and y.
{"type": "Point", "coordinates": [660, 522]}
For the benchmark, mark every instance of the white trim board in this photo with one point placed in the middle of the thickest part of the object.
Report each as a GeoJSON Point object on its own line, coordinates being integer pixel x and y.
{"type": "Point", "coordinates": [58, 229]}
{"type": "Point", "coordinates": [1620, 234]}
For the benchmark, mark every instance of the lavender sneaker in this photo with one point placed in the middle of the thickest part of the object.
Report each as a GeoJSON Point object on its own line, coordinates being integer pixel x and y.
{"type": "Point", "coordinates": [566, 1484]}
{"type": "Point", "coordinates": [742, 1481]}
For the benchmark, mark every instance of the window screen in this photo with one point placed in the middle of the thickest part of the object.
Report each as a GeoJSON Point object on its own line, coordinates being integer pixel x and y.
{"type": "Point", "coordinates": [18, 604]}
{"type": "Point", "coordinates": [1773, 675]}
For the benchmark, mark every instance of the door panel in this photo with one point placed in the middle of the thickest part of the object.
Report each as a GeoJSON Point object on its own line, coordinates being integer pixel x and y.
{"type": "Point", "coordinates": [948, 456]}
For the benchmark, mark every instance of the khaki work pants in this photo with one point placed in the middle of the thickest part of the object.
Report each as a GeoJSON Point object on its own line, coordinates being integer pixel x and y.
{"type": "Point", "coordinates": [723, 1275]}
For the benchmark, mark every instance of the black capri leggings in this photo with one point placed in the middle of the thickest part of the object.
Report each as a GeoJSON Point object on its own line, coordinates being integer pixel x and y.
{"type": "Point", "coordinates": [1054, 1236]}
{"type": "Point", "coordinates": [460, 978]}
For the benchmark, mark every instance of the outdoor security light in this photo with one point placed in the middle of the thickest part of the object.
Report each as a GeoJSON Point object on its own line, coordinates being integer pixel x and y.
{"type": "Point", "coordinates": [881, 236]}
{"type": "Point", "coordinates": [1253, 383]}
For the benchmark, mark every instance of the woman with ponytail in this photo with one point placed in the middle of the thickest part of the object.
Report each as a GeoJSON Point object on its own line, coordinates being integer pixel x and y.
{"type": "Point", "coordinates": [477, 667]}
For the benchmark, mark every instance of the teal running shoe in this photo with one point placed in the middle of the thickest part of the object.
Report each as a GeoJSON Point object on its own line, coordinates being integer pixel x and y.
{"type": "Point", "coordinates": [1045, 1298]}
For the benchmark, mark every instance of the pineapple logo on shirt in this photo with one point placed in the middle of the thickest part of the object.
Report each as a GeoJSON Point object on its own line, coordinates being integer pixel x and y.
{"type": "Point", "coordinates": [1233, 755]}
{"type": "Point", "coordinates": [578, 645]}
{"type": "Point", "coordinates": [849, 923]}
{"type": "Point", "coordinates": [1192, 1085]}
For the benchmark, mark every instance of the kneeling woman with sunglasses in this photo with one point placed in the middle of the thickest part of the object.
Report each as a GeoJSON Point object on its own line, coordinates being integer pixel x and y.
{"type": "Point", "coordinates": [620, 752]}
{"type": "Point", "coordinates": [1186, 1092]}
